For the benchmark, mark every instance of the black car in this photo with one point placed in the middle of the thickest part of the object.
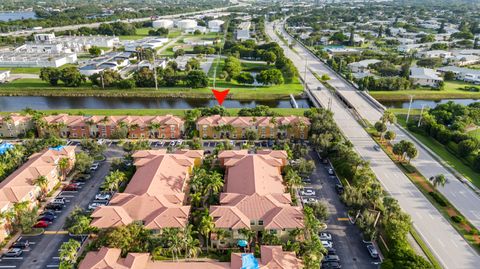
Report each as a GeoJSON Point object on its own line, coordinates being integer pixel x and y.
{"type": "Point", "coordinates": [331, 251]}
{"type": "Point", "coordinates": [48, 212]}
{"type": "Point", "coordinates": [21, 244]}
{"type": "Point", "coordinates": [48, 218]}
{"type": "Point", "coordinates": [54, 206]}
{"type": "Point", "coordinates": [339, 188]}
{"type": "Point", "coordinates": [331, 265]}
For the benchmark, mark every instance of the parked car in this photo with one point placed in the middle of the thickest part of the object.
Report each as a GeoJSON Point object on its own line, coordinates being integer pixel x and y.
{"type": "Point", "coordinates": [21, 244]}
{"type": "Point", "coordinates": [325, 161]}
{"type": "Point", "coordinates": [331, 265]}
{"type": "Point", "coordinates": [71, 187]}
{"type": "Point", "coordinates": [207, 152]}
{"type": "Point", "coordinates": [307, 180]}
{"type": "Point", "coordinates": [94, 167]}
{"type": "Point", "coordinates": [331, 258]}
{"type": "Point", "coordinates": [179, 142]}
{"type": "Point", "coordinates": [48, 218]}
{"type": "Point", "coordinates": [373, 251]}
{"type": "Point", "coordinates": [325, 236]}
{"type": "Point", "coordinates": [172, 143]}
{"type": "Point", "coordinates": [82, 178]}
{"type": "Point", "coordinates": [103, 196]}
{"type": "Point", "coordinates": [271, 143]}
{"type": "Point", "coordinates": [48, 213]}
{"type": "Point", "coordinates": [327, 244]}
{"type": "Point", "coordinates": [244, 143]}
{"type": "Point", "coordinates": [376, 147]}
{"type": "Point", "coordinates": [59, 200]}
{"type": "Point", "coordinates": [339, 188]}
{"type": "Point", "coordinates": [330, 171]}
{"type": "Point", "coordinates": [309, 200]}
{"type": "Point", "coordinates": [161, 143]}
{"type": "Point", "coordinates": [52, 206]}
{"type": "Point", "coordinates": [331, 251]}
{"type": "Point", "coordinates": [13, 252]}
{"type": "Point", "coordinates": [307, 192]}
{"type": "Point", "coordinates": [93, 206]}
{"type": "Point", "coordinates": [41, 224]}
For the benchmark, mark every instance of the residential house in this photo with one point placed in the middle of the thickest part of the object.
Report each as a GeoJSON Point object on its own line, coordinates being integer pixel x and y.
{"type": "Point", "coordinates": [4, 75]}
{"type": "Point", "coordinates": [156, 195]}
{"type": "Point", "coordinates": [465, 74]}
{"type": "Point", "coordinates": [20, 185]}
{"type": "Point", "coordinates": [272, 257]}
{"type": "Point", "coordinates": [254, 198]}
{"type": "Point", "coordinates": [434, 54]}
{"type": "Point", "coordinates": [362, 66]}
{"type": "Point", "coordinates": [264, 127]}
{"type": "Point", "coordinates": [15, 125]}
{"type": "Point", "coordinates": [425, 77]}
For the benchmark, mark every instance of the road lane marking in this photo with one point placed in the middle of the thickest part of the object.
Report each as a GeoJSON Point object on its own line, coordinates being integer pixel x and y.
{"type": "Point", "coordinates": [53, 266]}
{"type": "Point", "coordinates": [12, 258]}
{"type": "Point", "coordinates": [8, 266]}
{"type": "Point", "coordinates": [441, 243]}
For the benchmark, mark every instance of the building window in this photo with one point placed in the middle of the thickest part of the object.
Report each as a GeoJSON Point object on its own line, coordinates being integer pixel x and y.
{"type": "Point", "coordinates": [260, 222]}
{"type": "Point", "coordinates": [273, 231]}
{"type": "Point", "coordinates": [252, 222]}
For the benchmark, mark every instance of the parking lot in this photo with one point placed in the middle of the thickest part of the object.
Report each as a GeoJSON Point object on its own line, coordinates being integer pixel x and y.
{"type": "Point", "coordinates": [345, 237]}
{"type": "Point", "coordinates": [43, 249]}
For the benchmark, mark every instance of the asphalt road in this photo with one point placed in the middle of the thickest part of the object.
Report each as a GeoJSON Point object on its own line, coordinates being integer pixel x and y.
{"type": "Point", "coordinates": [347, 239]}
{"type": "Point", "coordinates": [44, 251]}
{"type": "Point", "coordinates": [447, 245]}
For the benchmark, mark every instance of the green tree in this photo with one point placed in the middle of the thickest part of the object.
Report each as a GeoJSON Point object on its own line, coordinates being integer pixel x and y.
{"type": "Point", "coordinates": [68, 254]}
{"type": "Point", "coordinates": [83, 162]}
{"type": "Point", "coordinates": [42, 183]}
{"type": "Point", "coordinates": [71, 77]}
{"type": "Point", "coordinates": [270, 77]}
{"type": "Point", "coordinates": [95, 51]}
{"type": "Point", "coordinates": [51, 75]}
{"type": "Point", "coordinates": [245, 78]}
{"type": "Point", "coordinates": [269, 57]}
{"type": "Point", "coordinates": [390, 135]}
{"type": "Point", "coordinates": [178, 52]}
{"type": "Point", "coordinates": [206, 226]}
{"type": "Point", "coordinates": [439, 180]}
{"type": "Point", "coordinates": [380, 127]}
{"type": "Point", "coordinates": [196, 79]}
{"type": "Point", "coordinates": [64, 166]}
{"type": "Point", "coordinates": [232, 66]}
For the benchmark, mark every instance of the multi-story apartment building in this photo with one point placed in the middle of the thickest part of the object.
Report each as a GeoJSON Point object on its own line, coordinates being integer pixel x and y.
{"type": "Point", "coordinates": [254, 198]}
{"type": "Point", "coordinates": [15, 125]}
{"type": "Point", "coordinates": [169, 127]}
{"type": "Point", "coordinates": [156, 195]}
{"type": "Point", "coordinates": [219, 127]}
{"type": "Point", "coordinates": [20, 186]}
{"type": "Point", "coordinates": [272, 257]}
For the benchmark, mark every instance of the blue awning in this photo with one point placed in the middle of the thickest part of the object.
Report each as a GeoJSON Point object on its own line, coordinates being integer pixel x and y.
{"type": "Point", "coordinates": [242, 243]}
{"type": "Point", "coordinates": [4, 147]}
{"type": "Point", "coordinates": [249, 261]}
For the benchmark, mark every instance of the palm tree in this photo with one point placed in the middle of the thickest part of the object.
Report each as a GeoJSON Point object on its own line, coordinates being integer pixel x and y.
{"type": "Point", "coordinates": [191, 244]}
{"type": "Point", "coordinates": [68, 253]}
{"type": "Point", "coordinates": [293, 180]}
{"type": "Point", "coordinates": [206, 226]}
{"type": "Point", "coordinates": [214, 184]}
{"type": "Point", "coordinates": [388, 117]}
{"type": "Point", "coordinates": [195, 199]}
{"type": "Point", "coordinates": [114, 180]}
{"type": "Point", "coordinates": [42, 183]}
{"type": "Point", "coordinates": [63, 165]}
{"type": "Point", "coordinates": [19, 208]}
{"type": "Point", "coordinates": [248, 234]}
{"type": "Point", "coordinates": [153, 127]}
{"type": "Point", "coordinates": [439, 180]}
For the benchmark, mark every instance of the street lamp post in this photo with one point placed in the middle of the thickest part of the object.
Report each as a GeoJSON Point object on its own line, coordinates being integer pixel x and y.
{"type": "Point", "coordinates": [421, 115]}
{"type": "Point", "coordinates": [409, 107]}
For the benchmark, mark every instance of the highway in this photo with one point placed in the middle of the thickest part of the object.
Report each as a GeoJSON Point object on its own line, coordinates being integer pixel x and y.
{"type": "Point", "coordinates": [447, 245]}
{"type": "Point", "coordinates": [97, 24]}
{"type": "Point", "coordinates": [458, 193]}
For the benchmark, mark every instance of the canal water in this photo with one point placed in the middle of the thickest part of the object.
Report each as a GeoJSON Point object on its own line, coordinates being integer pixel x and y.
{"type": "Point", "coordinates": [427, 103]}
{"type": "Point", "coordinates": [17, 103]}
{"type": "Point", "coordinates": [17, 15]}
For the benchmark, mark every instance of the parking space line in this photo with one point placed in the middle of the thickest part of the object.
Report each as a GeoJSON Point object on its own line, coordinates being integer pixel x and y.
{"type": "Point", "coordinates": [8, 266]}
{"type": "Point", "coordinates": [12, 258]}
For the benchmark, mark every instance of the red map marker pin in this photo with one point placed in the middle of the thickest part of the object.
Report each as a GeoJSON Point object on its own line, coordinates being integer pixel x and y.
{"type": "Point", "coordinates": [220, 95]}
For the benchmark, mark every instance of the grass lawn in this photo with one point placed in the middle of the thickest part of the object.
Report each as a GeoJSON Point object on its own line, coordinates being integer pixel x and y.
{"type": "Point", "coordinates": [475, 133]}
{"type": "Point", "coordinates": [148, 112]}
{"type": "Point", "coordinates": [22, 70]}
{"type": "Point", "coordinates": [446, 156]}
{"type": "Point", "coordinates": [451, 90]}
{"type": "Point", "coordinates": [139, 34]}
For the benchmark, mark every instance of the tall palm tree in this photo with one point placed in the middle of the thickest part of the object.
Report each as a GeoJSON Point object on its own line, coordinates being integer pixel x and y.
{"type": "Point", "coordinates": [191, 244]}
{"type": "Point", "coordinates": [153, 127]}
{"type": "Point", "coordinates": [18, 208]}
{"type": "Point", "coordinates": [439, 180]}
{"type": "Point", "coordinates": [206, 226]}
{"type": "Point", "coordinates": [214, 184]}
{"type": "Point", "coordinates": [42, 183]}
{"type": "Point", "coordinates": [63, 165]}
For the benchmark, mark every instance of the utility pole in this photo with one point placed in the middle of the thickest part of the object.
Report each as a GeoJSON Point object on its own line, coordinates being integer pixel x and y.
{"type": "Point", "coordinates": [421, 115]}
{"type": "Point", "coordinates": [103, 83]}
{"type": "Point", "coordinates": [155, 70]}
{"type": "Point", "coordinates": [409, 107]}
{"type": "Point", "coordinates": [305, 74]}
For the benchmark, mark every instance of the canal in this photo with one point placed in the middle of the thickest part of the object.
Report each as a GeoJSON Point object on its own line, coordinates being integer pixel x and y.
{"type": "Point", "coordinates": [427, 103]}
{"type": "Point", "coordinates": [17, 103]}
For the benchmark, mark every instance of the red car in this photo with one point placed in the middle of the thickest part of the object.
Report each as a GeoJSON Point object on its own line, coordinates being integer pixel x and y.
{"type": "Point", "coordinates": [41, 224]}
{"type": "Point", "coordinates": [70, 187]}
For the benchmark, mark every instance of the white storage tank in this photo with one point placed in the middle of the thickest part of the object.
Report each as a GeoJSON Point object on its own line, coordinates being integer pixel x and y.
{"type": "Point", "coordinates": [187, 24]}
{"type": "Point", "coordinates": [162, 24]}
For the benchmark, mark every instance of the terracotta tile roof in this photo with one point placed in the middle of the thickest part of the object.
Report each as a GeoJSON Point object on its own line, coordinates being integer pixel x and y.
{"type": "Point", "coordinates": [141, 121]}
{"type": "Point", "coordinates": [109, 258]}
{"type": "Point", "coordinates": [20, 183]}
{"type": "Point", "coordinates": [218, 120]}
{"type": "Point", "coordinates": [155, 194]}
{"type": "Point", "coordinates": [16, 118]}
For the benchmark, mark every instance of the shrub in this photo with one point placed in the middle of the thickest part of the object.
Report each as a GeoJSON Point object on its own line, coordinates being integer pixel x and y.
{"type": "Point", "coordinates": [457, 219]}
{"type": "Point", "coordinates": [410, 168]}
{"type": "Point", "coordinates": [439, 199]}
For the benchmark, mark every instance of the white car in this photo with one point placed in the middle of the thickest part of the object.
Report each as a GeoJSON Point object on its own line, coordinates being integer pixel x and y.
{"type": "Point", "coordinates": [307, 180]}
{"type": "Point", "coordinates": [161, 143]}
{"type": "Point", "coordinates": [93, 206]}
{"type": "Point", "coordinates": [309, 200]}
{"type": "Point", "coordinates": [325, 236]}
{"type": "Point", "coordinates": [179, 142]}
{"type": "Point", "coordinates": [94, 167]}
{"type": "Point", "coordinates": [327, 244]}
{"type": "Point", "coordinates": [330, 171]}
{"type": "Point", "coordinates": [307, 192]}
{"type": "Point", "coordinates": [103, 196]}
